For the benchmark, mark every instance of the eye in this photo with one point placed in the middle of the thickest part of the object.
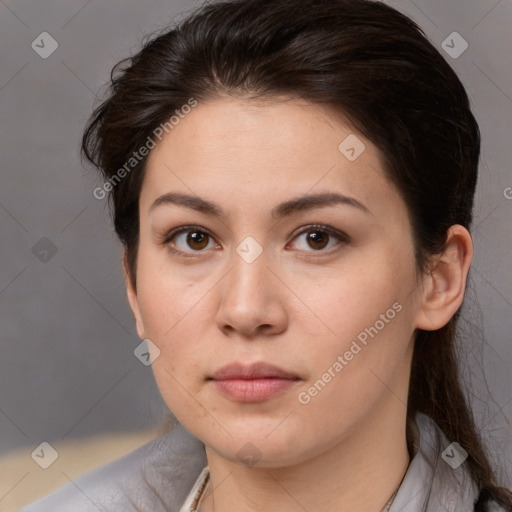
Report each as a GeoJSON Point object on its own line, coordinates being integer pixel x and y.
{"type": "Point", "coordinates": [318, 237]}
{"type": "Point", "coordinates": [191, 237]}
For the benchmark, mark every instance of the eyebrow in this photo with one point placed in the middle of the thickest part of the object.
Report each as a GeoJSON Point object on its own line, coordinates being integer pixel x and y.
{"type": "Point", "coordinates": [285, 209]}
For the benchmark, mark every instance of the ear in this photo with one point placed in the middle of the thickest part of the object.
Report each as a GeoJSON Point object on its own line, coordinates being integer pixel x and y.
{"type": "Point", "coordinates": [131, 293]}
{"type": "Point", "coordinates": [444, 285]}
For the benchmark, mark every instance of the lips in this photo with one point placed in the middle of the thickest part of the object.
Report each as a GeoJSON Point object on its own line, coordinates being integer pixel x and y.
{"type": "Point", "coordinates": [253, 371]}
{"type": "Point", "coordinates": [252, 383]}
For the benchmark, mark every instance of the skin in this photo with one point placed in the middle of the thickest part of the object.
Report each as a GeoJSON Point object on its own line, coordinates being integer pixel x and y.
{"type": "Point", "coordinates": [298, 305]}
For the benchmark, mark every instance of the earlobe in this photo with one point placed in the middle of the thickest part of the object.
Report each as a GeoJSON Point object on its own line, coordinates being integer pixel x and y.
{"type": "Point", "coordinates": [444, 286]}
{"type": "Point", "coordinates": [131, 293]}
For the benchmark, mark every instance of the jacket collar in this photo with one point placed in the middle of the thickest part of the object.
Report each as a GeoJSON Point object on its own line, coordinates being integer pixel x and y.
{"type": "Point", "coordinates": [437, 479]}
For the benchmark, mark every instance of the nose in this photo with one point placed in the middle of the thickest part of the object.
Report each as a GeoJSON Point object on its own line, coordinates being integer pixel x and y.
{"type": "Point", "coordinates": [251, 299]}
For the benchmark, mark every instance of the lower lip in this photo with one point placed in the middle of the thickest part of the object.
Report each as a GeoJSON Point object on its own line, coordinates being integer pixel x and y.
{"type": "Point", "coordinates": [253, 390]}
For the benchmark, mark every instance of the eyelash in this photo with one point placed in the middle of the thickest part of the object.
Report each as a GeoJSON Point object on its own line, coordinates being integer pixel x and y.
{"type": "Point", "coordinates": [342, 237]}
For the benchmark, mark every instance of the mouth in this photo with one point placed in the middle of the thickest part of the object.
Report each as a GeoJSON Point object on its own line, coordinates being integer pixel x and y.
{"type": "Point", "coordinates": [252, 383]}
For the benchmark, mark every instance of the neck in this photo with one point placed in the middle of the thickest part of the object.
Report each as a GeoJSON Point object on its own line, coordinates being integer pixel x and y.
{"type": "Point", "coordinates": [359, 474]}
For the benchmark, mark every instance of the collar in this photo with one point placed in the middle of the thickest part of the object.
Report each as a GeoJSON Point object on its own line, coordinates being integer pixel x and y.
{"type": "Point", "coordinates": [437, 478]}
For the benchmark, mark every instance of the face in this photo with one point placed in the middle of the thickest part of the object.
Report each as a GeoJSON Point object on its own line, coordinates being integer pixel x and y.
{"type": "Point", "coordinates": [326, 292]}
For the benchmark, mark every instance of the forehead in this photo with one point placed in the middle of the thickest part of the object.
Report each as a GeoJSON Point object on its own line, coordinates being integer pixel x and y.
{"type": "Point", "coordinates": [255, 154]}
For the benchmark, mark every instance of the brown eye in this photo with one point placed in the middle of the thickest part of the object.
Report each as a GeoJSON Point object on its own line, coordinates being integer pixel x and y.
{"type": "Point", "coordinates": [197, 239]}
{"type": "Point", "coordinates": [187, 240]}
{"type": "Point", "coordinates": [317, 239]}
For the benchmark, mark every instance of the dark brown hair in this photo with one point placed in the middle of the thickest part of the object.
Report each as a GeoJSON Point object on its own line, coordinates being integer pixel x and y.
{"type": "Point", "coordinates": [366, 61]}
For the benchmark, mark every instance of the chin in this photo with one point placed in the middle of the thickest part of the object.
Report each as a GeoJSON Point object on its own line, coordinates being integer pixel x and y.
{"type": "Point", "coordinates": [254, 447]}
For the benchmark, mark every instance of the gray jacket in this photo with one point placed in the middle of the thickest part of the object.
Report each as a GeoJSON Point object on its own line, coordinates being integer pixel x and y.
{"type": "Point", "coordinates": [158, 477]}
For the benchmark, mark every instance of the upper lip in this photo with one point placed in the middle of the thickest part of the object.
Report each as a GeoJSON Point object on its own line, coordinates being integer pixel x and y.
{"type": "Point", "coordinates": [259, 370]}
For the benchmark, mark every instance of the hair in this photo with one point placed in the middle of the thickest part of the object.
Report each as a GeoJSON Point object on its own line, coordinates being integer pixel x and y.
{"type": "Point", "coordinates": [362, 59]}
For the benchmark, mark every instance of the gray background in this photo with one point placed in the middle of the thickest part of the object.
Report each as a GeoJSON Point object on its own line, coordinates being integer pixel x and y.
{"type": "Point", "coordinates": [67, 367]}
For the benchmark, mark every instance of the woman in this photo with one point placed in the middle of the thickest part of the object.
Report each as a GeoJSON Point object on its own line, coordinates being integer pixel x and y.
{"type": "Point", "coordinates": [293, 185]}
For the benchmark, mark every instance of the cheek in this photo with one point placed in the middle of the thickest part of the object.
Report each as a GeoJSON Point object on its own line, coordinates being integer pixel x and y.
{"type": "Point", "coordinates": [338, 303]}
{"type": "Point", "coordinates": [354, 372]}
{"type": "Point", "coordinates": [165, 296]}
{"type": "Point", "coordinates": [170, 310]}
{"type": "Point", "coordinates": [177, 312]}
{"type": "Point", "coordinates": [361, 331]}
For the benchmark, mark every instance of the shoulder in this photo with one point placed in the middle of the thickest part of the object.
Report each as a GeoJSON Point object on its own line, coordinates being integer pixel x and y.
{"type": "Point", "coordinates": [450, 484]}
{"type": "Point", "coordinates": [156, 477]}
